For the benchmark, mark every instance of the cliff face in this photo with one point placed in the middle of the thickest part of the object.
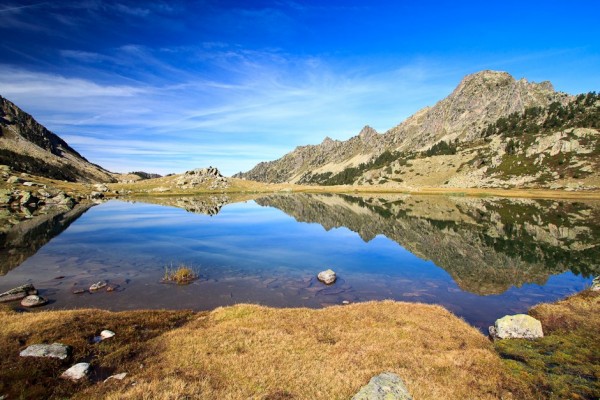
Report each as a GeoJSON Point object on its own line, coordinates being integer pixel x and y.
{"type": "Point", "coordinates": [27, 146]}
{"type": "Point", "coordinates": [403, 155]}
{"type": "Point", "coordinates": [486, 245]}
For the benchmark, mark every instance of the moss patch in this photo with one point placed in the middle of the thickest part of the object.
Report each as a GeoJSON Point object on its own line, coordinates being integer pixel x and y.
{"type": "Point", "coordinates": [565, 364]}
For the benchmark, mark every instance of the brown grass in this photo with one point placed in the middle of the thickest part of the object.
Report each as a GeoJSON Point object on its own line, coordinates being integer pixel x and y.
{"type": "Point", "coordinates": [248, 351]}
{"type": "Point", "coordinates": [32, 378]}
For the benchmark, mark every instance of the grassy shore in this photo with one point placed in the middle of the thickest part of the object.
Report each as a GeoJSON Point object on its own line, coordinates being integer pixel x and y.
{"type": "Point", "coordinates": [249, 351]}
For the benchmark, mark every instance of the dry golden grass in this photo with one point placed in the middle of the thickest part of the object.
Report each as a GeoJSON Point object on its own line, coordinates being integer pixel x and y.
{"type": "Point", "coordinates": [248, 351]}
{"type": "Point", "coordinates": [254, 352]}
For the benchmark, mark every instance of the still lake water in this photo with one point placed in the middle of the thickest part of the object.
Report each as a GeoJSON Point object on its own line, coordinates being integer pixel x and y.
{"type": "Point", "coordinates": [481, 258]}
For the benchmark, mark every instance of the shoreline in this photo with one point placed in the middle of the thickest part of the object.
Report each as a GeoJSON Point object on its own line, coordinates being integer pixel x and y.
{"type": "Point", "coordinates": [249, 350]}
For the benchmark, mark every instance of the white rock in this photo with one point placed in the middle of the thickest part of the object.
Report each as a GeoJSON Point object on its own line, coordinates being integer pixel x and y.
{"type": "Point", "coordinates": [76, 372]}
{"type": "Point", "coordinates": [105, 334]}
{"type": "Point", "coordinates": [520, 326]}
{"type": "Point", "coordinates": [97, 286]}
{"type": "Point", "coordinates": [385, 386]}
{"type": "Point", "coordinates": [54, 350]}
{"type": "Point", "coordinates": [327, 276]}
{"type": "Point", "coordinates": [33, 300]}
{"type": "Point", "coordinates": [118, 377]}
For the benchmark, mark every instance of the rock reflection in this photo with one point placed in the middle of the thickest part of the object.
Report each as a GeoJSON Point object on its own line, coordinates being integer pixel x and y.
{"type": "Point", "coordinates": [23, 239]}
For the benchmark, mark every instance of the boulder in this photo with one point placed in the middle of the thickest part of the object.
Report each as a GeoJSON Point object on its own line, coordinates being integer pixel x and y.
{"type": "Point", "coordinates": [327, 276]}
{"type": "Point", "coordinates": [76, 372]}
{"type": "Point", "coordinates": [14, 179]}
{"type": "Point", "coordinates": [54, 350]}
{"type": "Point", "coordinates": [33, 300]}
{"type": "Point", "coordinates": [520, 326]}
{"type": "Point", "coordinates": [385, 386]}
{"type": "Point", "coordinates": [100, 187]}
{"type": "Point", "coordinates": [96, 195]}
{"type": "Point", "coordinates": [17, 293]}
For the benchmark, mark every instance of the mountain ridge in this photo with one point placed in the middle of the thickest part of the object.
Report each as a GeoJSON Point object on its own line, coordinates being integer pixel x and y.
{"type": "Point", "coordinates": [479, 100]}
{"type": "Point", "coordinates": [27, 146]}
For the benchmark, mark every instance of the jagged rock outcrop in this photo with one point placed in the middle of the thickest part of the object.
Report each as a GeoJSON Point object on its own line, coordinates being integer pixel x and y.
{"type": "Point", "coordinates": [329, 155]}
{"type": "Point", "coordinates": [480, 99]}
{"type": "Point", "coordinates": [209, 178]}
{"type": "Point", "coordinates": [486, 245]}
{"type": "Point", "coordinates": [27, 146]}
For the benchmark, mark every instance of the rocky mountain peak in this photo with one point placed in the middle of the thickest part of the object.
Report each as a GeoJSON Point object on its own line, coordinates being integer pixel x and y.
{"type": "Point", "coordinates": [367, 132]}
{"type": "Point", "coordinates": [29, 147]}
{"type": "Point", "coordinates": [479, 100]}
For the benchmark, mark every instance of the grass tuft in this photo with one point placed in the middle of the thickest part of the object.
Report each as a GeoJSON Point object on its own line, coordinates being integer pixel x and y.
{"type": "Point", "coordinates": [181, 275]}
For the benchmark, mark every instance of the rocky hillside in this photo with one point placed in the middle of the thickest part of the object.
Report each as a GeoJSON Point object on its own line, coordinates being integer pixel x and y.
{"type": "Point", "coordinates": [26, 146]}
{"type": "Point", "coordinates": [453, 144]}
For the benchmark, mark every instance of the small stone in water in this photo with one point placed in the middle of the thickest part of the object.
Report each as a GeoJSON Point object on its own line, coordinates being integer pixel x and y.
{"type": "Point", "coordinates": [78, 291]}
{"type": "Point", "coordinates": [33, 301]}
{"type": "Point", "coordinates": [97, 286]}
{"type": "Point", "coordinates": [345, 302]}
{"type": "Point", "coordinates": [327, 276]}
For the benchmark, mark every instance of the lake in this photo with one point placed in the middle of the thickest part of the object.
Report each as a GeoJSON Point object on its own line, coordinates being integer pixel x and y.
{"type": "Point", "coordinates": [481, 258]}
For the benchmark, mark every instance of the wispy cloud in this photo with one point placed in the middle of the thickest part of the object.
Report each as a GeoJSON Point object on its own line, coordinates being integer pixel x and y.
{"type": "Point", "coordinates": [266, 104]}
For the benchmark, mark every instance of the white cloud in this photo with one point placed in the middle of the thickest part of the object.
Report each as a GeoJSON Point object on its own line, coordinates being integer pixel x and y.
{"type": "Point", "coordinates": [264, 105]}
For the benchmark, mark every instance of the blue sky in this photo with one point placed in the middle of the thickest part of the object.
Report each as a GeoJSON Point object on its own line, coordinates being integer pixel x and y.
{"type": "Point", "coordinates": [169, 86]}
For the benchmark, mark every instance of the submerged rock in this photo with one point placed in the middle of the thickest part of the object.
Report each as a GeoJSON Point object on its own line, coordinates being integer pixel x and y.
{"type": "Point", "coordinates": [327, 276]}
{"type": "Point", "coordinates": [33, 300]}
{"type": "Point", "coordinates": [97, 286]}
{"type": "Point", "coordinates": [76, 372]}
{"type": "Point", "coordinates": [385, 386]}
{"type": "Point", "coordinates": [18, 293]}
{"type": "Point", "coordinates": [54, 350]}
{"type": "Point", "coordinates": [520, 326]}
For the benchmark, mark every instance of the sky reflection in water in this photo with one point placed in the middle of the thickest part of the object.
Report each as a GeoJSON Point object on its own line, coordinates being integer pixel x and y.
{"type": "Point", "coordinates": [252, 253]}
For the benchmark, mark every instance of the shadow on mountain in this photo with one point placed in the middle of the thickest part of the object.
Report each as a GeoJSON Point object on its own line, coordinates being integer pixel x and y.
{"type": "Point", "coordinates": [26, 237]}
{"type": "Point", "coordinates": [487, 245]}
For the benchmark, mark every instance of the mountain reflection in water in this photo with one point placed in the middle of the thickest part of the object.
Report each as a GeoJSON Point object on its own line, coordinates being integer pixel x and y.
{"type": "Point", "coordinates": [481, 258]}
{"type": "Point", "coordinates": [487, 245]}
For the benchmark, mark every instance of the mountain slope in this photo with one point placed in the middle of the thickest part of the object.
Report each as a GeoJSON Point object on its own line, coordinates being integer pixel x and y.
{"type": "Point", "coordinates": [480, 99]}
{"type": "Point", "coordinates": [27, 146]}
